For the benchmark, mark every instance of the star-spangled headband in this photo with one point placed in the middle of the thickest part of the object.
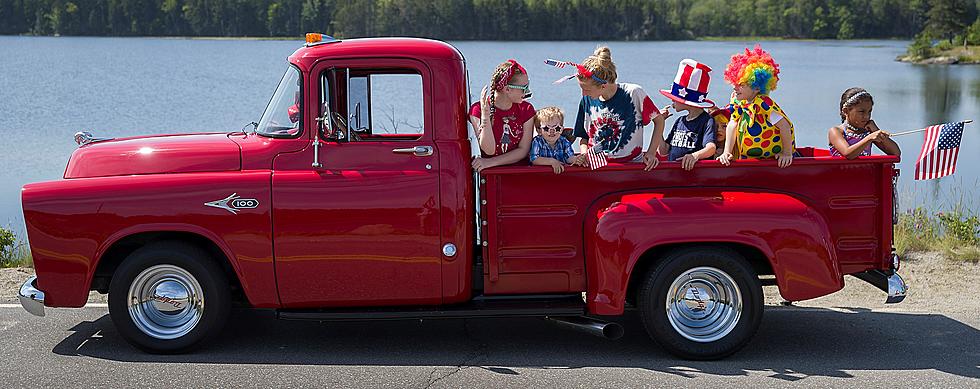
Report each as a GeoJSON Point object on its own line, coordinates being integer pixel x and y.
{"type": "Point", "coordinates": [582, 71]}
{"type": "Point", "coordinates": [854, 99]}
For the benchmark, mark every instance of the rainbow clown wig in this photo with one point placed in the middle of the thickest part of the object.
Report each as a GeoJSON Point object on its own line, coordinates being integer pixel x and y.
{"type": "Point", "coordinates": [755, 68]}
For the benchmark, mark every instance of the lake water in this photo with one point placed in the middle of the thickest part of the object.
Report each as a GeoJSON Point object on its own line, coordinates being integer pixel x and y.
{"type": "Point", "coordinates": [52, 87]}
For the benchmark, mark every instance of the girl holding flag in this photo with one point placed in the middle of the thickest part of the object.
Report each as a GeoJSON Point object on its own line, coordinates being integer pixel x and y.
{"type": "Point", "coordinates": [857, 131]}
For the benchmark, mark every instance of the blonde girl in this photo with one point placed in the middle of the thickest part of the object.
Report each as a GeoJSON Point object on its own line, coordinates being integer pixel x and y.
{"type": "Point", "coordinates": [611, 116]}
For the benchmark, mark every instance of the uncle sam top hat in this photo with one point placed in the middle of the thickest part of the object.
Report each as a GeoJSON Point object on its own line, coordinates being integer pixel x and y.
{"type": "Point", "coordinates": [690, 85]}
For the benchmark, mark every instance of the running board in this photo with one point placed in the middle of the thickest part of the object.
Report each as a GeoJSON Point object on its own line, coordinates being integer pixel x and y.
{"type": "Point", "coordinates": [479, 307]}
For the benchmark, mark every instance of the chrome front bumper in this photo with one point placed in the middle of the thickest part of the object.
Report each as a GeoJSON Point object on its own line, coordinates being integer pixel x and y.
{"type": "Point", "coordinates": [31, 298]}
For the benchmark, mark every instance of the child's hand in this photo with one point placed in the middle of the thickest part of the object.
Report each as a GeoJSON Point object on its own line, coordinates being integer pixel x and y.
{"type": "Point", "coordinates": [725, 158]}
{"type": "Point", "coordinates": [650, 160]}
{"type": "Point", "coordinates": [579, 160]}
{"type": "Point", "coordinates": [482, 163]}
{"type": "Point", "coordinates": [688, 161]}
{"type": "Point", "coordinates": [872, 126]}
{"type": "Point", "coordinates": [784, 159]}
{"type": "Point", "coordinates": [878, 136]}
{"type": "Point", "coordinates": [557, 166]}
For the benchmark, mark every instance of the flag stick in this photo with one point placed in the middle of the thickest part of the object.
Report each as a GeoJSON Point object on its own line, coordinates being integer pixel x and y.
{"type": "Point", "coordinates": [922, 129]}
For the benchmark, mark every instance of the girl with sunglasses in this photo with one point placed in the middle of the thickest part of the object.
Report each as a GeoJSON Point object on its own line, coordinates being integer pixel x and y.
{"type": "Point", "coordinates": [502, 119]}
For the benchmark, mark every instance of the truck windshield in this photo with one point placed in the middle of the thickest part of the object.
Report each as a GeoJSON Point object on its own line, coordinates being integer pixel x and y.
{"type": "Point", "coordinates": [282, 117]}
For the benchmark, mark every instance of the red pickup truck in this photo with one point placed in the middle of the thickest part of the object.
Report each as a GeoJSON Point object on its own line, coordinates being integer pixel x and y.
{"type": "Point", "coordinates": [354, 199]}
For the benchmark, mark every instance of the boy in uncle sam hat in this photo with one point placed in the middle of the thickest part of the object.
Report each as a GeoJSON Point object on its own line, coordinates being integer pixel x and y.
{"type": "Point", "coordinates": [692, 138]}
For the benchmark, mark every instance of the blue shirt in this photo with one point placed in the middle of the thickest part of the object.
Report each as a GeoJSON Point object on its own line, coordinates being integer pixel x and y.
{"type": "Point", "coordinates": [688, 136]}
{"type": "Point", "coordinates": [562, 150]}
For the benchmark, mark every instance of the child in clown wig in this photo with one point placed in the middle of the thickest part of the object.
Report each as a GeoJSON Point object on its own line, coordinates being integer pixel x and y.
{"type": "Point", "coordinates": [758, 129]}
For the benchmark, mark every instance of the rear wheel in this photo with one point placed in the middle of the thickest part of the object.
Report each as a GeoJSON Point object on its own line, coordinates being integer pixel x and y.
{"type": "Point", "coordinates": [701, 303]}
{"type": "Point", "coordinates": [168, 297]}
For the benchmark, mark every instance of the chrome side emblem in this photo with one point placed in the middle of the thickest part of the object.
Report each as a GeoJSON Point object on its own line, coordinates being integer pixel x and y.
{"type": "Point", "coordinates": [234, 203]}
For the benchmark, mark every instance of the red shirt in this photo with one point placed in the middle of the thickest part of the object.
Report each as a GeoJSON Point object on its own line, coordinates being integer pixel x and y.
{"type": "Point", "coordinates": [508, 125]}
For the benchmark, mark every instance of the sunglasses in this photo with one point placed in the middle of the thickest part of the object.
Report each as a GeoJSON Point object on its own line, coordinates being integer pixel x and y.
{"type": "Point", "coordinates": [526, 87]}
{"type": "Point", "coordinates": [555, 128]}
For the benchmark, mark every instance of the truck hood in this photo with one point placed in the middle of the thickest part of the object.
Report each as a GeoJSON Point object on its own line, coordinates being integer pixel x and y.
{"type": "Point", "coordinates": [154, 155]}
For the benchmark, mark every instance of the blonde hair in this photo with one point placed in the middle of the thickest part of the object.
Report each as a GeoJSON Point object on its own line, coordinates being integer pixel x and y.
{"type": "Point", "coordinates": [548, 113]}
{"type": "Point", "coordinates": [601, 65]}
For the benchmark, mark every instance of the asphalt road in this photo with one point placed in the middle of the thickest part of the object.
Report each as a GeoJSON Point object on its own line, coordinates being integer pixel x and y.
{"type": "Point", "coordinates": [794, 347]}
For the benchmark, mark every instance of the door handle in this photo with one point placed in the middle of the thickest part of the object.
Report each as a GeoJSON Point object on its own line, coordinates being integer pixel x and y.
{"type": "Point", "coordinates": [419, 151]}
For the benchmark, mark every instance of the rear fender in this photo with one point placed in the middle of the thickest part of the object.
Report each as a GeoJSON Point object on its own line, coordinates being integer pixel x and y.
{"type": "Point", "coordinates": [793, 237]}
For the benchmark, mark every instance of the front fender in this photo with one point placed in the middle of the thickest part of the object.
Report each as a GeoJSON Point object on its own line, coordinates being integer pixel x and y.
{"type": "Point", "coordinates": [71, 224]}
{"type": "Point", "coordinates": [793, 237]}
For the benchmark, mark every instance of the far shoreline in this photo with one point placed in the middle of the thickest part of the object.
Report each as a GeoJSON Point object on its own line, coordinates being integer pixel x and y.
{"type": "Point", "coordinates": [301, 38]}
{"type": "Point", "coordinates": [959, 55]}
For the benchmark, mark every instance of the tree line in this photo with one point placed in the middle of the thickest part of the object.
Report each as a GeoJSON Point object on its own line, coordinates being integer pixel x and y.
{"type": "Point", "coordinates": [484, 19]}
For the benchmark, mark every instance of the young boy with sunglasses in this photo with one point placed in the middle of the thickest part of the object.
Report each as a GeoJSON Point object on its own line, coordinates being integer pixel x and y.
{"type": "Point", "coordinates": [549, 147]}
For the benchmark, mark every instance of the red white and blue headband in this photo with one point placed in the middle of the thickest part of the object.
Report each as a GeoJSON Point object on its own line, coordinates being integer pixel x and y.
{"type": "Point", "coordinates": [509, 74]}
{"type": "Point", "coordinates": [582, 71]}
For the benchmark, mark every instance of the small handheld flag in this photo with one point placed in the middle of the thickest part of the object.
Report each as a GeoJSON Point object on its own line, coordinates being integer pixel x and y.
{"type": "Point", "coordinates": [596, 158]}
{"type": "Point", "coordinates": [939, 151]}
{"type": "Point", "coordinates": [581, 71]}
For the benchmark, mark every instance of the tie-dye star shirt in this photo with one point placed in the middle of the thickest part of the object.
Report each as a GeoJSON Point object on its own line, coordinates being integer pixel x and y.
{"type": "Point", "coordinates": [616, 125]}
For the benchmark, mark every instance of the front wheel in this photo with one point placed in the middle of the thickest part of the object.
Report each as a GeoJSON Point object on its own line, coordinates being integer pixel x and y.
{"type": "Point", "coordinates": [168, 298]}
{"type": "Point", "coordinates": [701, 303]}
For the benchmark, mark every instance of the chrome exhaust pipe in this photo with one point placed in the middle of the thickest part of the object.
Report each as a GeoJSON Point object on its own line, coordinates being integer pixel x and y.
{"type": "Point", "coordinates": [598, 328]}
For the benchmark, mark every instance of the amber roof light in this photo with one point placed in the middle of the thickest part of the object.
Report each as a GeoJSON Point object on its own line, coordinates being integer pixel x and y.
{"type": "Point", "coordinates": [315, 38]}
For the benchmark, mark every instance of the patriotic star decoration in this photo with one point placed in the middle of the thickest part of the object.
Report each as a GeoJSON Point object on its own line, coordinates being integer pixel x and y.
{"type": "Point", "coordinates": [682, 92]}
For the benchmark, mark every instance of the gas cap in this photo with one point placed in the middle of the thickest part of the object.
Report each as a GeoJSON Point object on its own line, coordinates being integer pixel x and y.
{"type": "Point", "coordinates": [449, 250]}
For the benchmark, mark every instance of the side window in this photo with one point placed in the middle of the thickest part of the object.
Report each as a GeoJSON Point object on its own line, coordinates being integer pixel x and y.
{"type": "Point", "coordinates": [379, 105]}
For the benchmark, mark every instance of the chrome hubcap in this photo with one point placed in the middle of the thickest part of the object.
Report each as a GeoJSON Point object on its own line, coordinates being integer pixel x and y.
{"type": "Point", "coordinates": [704, 304]}
{"type": "Point", "coordinates": [165, 302]}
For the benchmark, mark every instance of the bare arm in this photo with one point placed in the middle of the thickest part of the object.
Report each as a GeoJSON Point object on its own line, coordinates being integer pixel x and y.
{"type": "Point", "coordinates": [726, 157]}
{"type": "Point", "coordinates": [483, 131]}
{"type": "Point", "coordinates": [514, 155]}
{"type": "Point", "coordinates": [707, 152]}
{"type": "Point", "coordinates": [837, 140]}
{"type": "Point", "coordinates": [884, 141]}
{"type": "Point", "coordinates": [656, 142]}
{"type": "Point", "coordinates": [785, 156]}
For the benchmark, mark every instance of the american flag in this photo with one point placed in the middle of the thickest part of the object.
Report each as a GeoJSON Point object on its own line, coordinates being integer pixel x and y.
{"type": "Point", "coordinates": [561, 65]}
{"type": "Point", "coordinates": [939, 151]}
{"type": "Point", "coordinates": [558, 64]}
{"type": "Point", "coordinates": [596, 158]}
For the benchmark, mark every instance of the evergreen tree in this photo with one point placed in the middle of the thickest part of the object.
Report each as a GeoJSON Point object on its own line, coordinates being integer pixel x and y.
{"type": "Point", "coordinates": [947, 18]}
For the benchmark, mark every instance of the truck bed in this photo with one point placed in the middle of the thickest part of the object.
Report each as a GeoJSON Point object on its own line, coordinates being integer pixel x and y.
{"type": "Point", "coordinates": [536, 221]}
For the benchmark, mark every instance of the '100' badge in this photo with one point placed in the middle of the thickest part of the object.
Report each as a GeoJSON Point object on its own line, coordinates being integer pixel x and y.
{"type": "Point", "coordinates": [234, 203]}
